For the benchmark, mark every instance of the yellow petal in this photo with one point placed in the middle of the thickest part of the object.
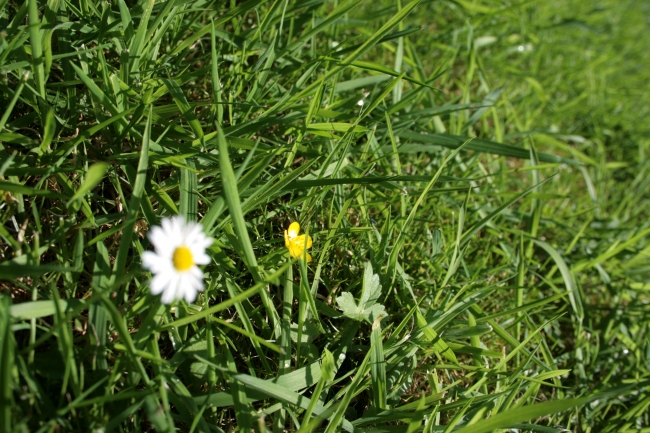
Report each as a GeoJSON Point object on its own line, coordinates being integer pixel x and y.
{"type": "Point", "coordinates": [299, 242]}
{"type": "Point", "coordinates": [295, 250]}
{"type": "Point", "coordinates": [294, 229]}
{"type": "Point", "coordinates": [287, 241]}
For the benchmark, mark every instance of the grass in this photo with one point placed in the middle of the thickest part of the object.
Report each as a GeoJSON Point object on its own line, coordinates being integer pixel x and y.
{"type": "Point", "coordinates": [474, 175]}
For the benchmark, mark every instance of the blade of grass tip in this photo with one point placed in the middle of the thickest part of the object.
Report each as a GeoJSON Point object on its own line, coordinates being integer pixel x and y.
{"type": "Point", "coordinates": [238, 392]}
{"type": "Point", "coordinates": [127, 22]}
{"type": "Point", "coordinates": [396, 160]}
{"type": "Point", "coordinates": [262, 79]}
{"type": "Point", "coordinates": [433, 337]}
{"type": "Point", "coordinates": [229, 183]}
{"type": "Point", "coordinates": [134, 205]}
{"type": "Point", "coordinates": [479, 225]}
{"type": "Point", "coordinates": [7, 356]}
{"type": "Point", "coordinates": [36, 44]}
{"type": "Point", "coordinates": [49, 130]}
{"type": "Point", "coordinates": [364, 48]}
{"type": "Point", "coordinates": [458, 416]}
{"type": "Point", "coordinates": [216, 81]}
{"type": "Point", "coordinates": [314, 105]}
{"type": "Point", "coordinates": [479, 145]}
{"type": "Point", "coordinates": [248, 334]}
{"type": "Point", "coordinates": [399, 58]}
{"type": "Point", "coordinates": [94, 176]}
{"type": "Point", "coordinates": [97, 315]}
{"type": "Point", "coordinates": [12, 103]}
{"type": "Point", "coordinates": [285, 341]}
{"type": "Point", "coordinates": [189, 201]}
{"type": "Point", "coordinates": [380, 99]}
{"type": "Point", "coordinates": [536, 203]}
{"type": "Point", "coordinates": [322, 257]}
{"type": "Point", "coordinates": [98, 93]}
{"type": "Point", "coordinates": [125, 337]}
{"type": "Point", "coordinates": [498, 330]}
{"type": "Point", "coordinates": [241, 9]}
{"type": "Point", "coordinates": [184, 106]}
{"type": "Point", "coordinates": [219, 204]}
{"type": "Point", "coordinates": [248, 325]}
{"type": "Point", "coordinates": [507, 418]}
{"type": "Point", "coordinates": [285, 395]}
{"type": "Point", "coordinates": [377, 365]}
{"type": "Point", "coordinates": [65, 345]}
{"type": "Point", "coordinates": [572, 288]}
{"type": "Point", "coordinates": [323, 24]}
{"type": "Point", "coordinates": [521, 278]}
{"type": "Point", "coordinates": [7, 163]}
{"type": "Point", "coordinates": [327, 374]}
{"type": "Point", "coordinates": [226, 304]}
{"type": "Point", "coordinates": [507, 358]}
{"type": "Point", "coordinates": [459, 252]}
{"type": "Point", "coordinates": [392, 260]}
{"type": "Point", "coordinates": [345, 402]}
{"type": "Point", "coordinates": [137, 43]}
{"type": "Point", "coordinates": [304, 286]}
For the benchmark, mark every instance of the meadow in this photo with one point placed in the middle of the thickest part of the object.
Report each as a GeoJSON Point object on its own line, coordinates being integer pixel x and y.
{"type": "Point", "coordinates": [474, 175]}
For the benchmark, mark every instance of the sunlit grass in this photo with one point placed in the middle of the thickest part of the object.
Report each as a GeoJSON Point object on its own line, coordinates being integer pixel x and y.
{"type": "Point", "coordinates": [473, 175]}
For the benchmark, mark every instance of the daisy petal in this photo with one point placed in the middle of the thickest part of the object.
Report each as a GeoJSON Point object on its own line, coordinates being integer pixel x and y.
{"type": "Point", "coordinates": [154, 262]}
{"type": "Point", "coordinates": [179, 247]}
{"type": "Point", "coordinates": [200, 258]}
{"type": "Point", "coordinates": [192, 233]}
{"type": "Point", "coordinates": [160, 241]}
{"type": "Point", "coordinates": [159, 283]}
{"type": "Point", "coordinates": [169, 295]}
{"type": "Point", "coordinates": [190, 287]}
{"type": "Point", "coordinates": [197, 274]}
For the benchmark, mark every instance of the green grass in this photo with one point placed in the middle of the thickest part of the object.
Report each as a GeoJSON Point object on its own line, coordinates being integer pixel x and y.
{"type": "Point", "coordinates": [474, 175]}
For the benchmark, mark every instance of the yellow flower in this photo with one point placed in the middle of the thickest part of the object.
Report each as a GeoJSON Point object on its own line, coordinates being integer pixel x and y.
{"type": "Point", "coordinates": [296, 243]}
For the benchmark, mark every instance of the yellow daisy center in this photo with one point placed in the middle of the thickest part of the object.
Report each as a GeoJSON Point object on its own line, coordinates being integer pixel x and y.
{"type": "Point", "coordinates": [182, 258]}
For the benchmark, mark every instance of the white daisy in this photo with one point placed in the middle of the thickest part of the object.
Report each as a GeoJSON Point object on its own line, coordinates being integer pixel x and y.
{"type": "Point", "coordinates": [180, 247]}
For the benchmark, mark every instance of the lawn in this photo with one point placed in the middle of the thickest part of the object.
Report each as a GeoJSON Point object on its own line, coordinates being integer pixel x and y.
{"type": "Point", "coordinates": [473, 176]}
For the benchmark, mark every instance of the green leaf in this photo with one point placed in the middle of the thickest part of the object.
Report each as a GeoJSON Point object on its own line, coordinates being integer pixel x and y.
{"type": "Point", "coordinates": [431, 335]}
{"type": "Point", "coordinates": [367, 309]}
{"type": "Point", "coordinates": [134, 206]}
{"type": "Point", "coordinates": [27, 190]}
{"type": "Point", "coordinates": [481, 145]}
{"type": "Point", "coordinates": [36, 309]}
{"type": "Point", "coordinates": [94, 176]}
{"type": "Point", "coordinates": [10, 270]}
{"type": "Point", "coordinates": [512, 416]}
{"type": "Point", "coordinates": [7, 356]}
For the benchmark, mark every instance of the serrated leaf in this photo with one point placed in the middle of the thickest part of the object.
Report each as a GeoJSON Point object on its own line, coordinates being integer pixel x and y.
{"type": "Point", "coordinates": [375, 312]}
{"type": "Point", "coordinates": [371, 287]}
{"type": "Point", "coordinates": [347, 303]}
{"type": "Point", "coordinates": [366, 309]}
